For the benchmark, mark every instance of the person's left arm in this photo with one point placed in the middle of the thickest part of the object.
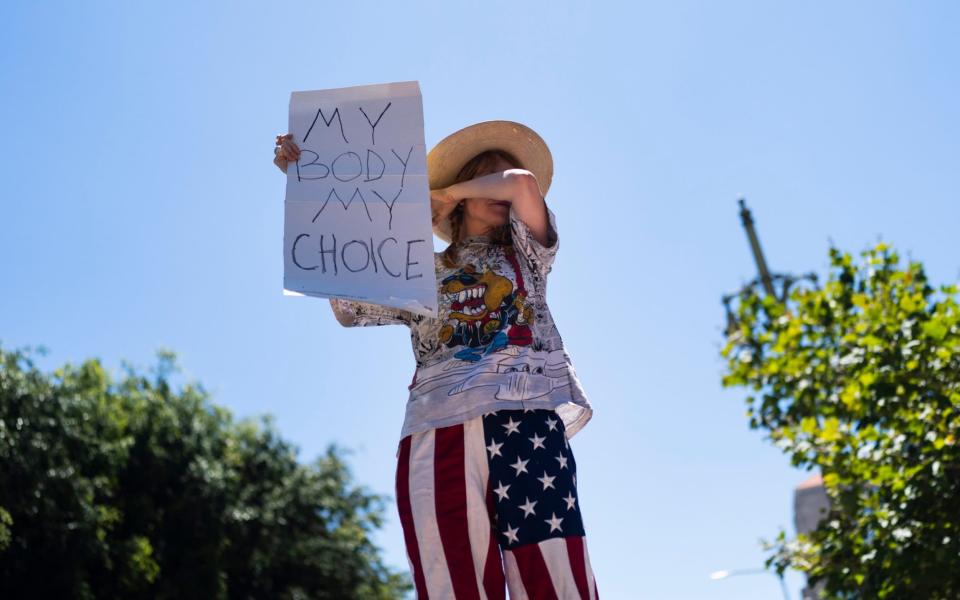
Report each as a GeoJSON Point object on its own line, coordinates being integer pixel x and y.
{"type": "Point", "coordinates": [520, 188]}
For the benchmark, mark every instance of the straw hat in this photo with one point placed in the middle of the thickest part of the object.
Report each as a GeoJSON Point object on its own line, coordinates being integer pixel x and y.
{"type": "Point", "coordinates": [452, 152]}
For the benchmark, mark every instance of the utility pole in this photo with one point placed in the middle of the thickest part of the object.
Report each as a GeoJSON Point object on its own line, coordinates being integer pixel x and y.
{"type": "Point", "coordinates": [810, 499]}
{"type": "Point", "coordinates": [747, 219]}
{"type": "Point", "coordinates": [765, 278]}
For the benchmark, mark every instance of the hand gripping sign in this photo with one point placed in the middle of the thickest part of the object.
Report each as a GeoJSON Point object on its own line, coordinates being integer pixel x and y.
{"type": "Point", "coordinates": [357, 210]}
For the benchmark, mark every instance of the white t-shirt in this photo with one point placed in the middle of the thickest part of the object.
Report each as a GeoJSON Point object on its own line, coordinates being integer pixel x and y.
{"type": "Point", "coordinates": [494, 345]}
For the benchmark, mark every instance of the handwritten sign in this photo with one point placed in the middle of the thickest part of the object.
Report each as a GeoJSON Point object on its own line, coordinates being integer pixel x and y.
{"type": "Point", "coordinates": [357, 209]}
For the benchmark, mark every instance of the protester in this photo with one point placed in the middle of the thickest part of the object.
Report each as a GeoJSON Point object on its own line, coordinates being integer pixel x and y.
{"type": "Point", "coordinates": [486, 479]}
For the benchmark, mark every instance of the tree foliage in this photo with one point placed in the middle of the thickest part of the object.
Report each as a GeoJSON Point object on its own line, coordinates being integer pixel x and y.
{"type": "Point", "coordinates": [861, 379]}
{"type": "Point", "coordinates": [131, 488]}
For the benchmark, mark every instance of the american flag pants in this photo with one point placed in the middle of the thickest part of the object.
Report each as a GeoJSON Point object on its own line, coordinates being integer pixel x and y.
{"type": "Point", "coordinates": [492, 503]}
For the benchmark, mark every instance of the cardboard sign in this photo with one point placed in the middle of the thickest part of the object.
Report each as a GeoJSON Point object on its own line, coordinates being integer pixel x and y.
{"type": "Point", "coordinates": [357, 221]}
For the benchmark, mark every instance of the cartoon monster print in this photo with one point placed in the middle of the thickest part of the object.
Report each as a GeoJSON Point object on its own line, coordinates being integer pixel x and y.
{"type": "Point", "coordinates": [486, 313]}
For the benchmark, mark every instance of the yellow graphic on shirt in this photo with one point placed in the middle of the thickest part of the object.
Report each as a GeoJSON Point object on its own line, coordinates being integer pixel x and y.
{"type": "Point", "coordinates": [485, 311]}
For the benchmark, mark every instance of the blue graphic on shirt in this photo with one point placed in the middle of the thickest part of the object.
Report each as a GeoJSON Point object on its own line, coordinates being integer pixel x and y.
{"type": "Point", "coordinates": [498, 342]}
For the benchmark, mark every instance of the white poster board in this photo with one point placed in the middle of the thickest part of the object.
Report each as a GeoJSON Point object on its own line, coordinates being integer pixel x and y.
{"type": "Point", "coordinates": [357, 221]}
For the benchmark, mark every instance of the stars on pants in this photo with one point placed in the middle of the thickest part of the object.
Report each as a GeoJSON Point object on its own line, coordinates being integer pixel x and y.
{"type": "Point", "coordinates": [511, 426]}
{"type": "Point", "coordinates": [546, 480]}
{"type": "Point", "coordinates": [535, 475]}
{"type": "Point", "coordinates": [527, 508]}
{"type": "Point", "coordinates": [511, 533]}
{"type": "Point", "coordinates": [520, 465]}
{"type": "Point", "coordinates": [554, 522]}
{"type": "Point", "coordinates": [537, 441]}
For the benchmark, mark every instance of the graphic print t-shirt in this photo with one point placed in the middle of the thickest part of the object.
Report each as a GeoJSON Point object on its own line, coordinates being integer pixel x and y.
{"type": "Point", "coordinates": [494, 345]}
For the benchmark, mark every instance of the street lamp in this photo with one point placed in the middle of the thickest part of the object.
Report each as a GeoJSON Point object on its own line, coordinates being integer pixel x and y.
{"type": "Point", "coordinates": [724, 574]}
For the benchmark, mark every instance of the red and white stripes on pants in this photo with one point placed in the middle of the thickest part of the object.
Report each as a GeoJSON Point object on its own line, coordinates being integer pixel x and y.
{"type": "Point", "coordinates": [448, 513]}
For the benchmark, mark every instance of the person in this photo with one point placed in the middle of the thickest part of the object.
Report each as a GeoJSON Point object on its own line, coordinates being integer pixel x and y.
{"type": "Point", "coordinates": [486, 483]}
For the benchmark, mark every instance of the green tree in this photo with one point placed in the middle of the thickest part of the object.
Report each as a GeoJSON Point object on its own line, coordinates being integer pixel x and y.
{"type": "Point", "coordinates": [134, 489]}
{"type": "Point", "coordinates": [861, 379]}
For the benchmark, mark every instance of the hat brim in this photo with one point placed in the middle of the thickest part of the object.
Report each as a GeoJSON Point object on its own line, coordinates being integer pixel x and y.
{"type": "Point", "coordinates": [452, 152]}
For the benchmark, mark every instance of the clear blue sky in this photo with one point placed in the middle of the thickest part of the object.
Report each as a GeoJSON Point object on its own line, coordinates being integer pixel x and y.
{"type": "Point", "coordinates": [141, 210]}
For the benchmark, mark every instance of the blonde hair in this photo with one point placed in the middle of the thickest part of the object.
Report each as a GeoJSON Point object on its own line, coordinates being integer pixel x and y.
{"type": "Point", "coordinates": [500, 235]}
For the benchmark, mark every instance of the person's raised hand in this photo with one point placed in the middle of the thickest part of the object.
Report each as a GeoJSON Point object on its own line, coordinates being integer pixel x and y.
{"type": "Point", "coordinates": [442, 203]}
{"type": "Point", "coordinates": [287, 150]}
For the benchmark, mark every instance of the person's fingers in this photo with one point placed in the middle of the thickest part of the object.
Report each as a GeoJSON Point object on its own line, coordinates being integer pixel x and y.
{"type": "Point", "coordinates": [284, 140]}
{"type": "Point", "coordinates": [288, 150]}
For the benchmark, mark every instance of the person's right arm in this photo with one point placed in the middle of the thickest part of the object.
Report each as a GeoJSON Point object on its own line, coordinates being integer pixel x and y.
{"type": "Point", "coordinates": [517, 186]}
{"type": "Point", "coordinates": [353, 313]}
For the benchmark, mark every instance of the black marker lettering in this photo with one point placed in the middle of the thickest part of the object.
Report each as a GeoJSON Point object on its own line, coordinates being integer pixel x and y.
{"type": "Point", "coordinates": [333, 166]}
{"type": "Point", "coordinates": [346, 205]}
{"type": "Point", "coordinates": [412, 263]}
{"type": "Point", "coordinates": [332, 252]}
{"type": "Point", "coordinates": [373, 126]}
{"type": "Point", "coordinates": [383, 166]}
{"type": "Point", "coordinates": [389, 205]}
{"type": "Point", "coordinates": [356, 192]}
{"type": "Point", "coordinates": [333, 192]}
{"type": "Point", "coordinates": [309, 164]}
{"type": "Point", "coordinates": [336, 113]}
{"type": "Point", "coordinates": [343, 255]}
{"type": "Point", "coordinates": [404, 162]}
{"type": "Point", "coordinates": [293, 253]}
{"type": "Point", "coordinates": [373, 257]}
{"type": "Point", "coordinates": [380, 254]}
